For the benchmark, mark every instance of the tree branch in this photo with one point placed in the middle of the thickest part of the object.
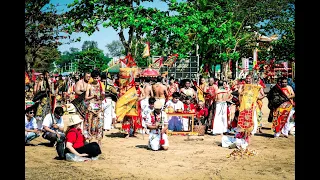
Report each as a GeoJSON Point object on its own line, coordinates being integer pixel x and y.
{"type": "Point", "coordinates": [123, 40]}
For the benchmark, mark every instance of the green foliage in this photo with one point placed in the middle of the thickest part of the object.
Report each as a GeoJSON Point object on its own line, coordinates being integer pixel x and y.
{"type": "Point", "coordinates": [92, 58]}
{"type": "Point", "coordinates": [45, 56]}
{"type": "Point", "coordinates": [284, 26]}
{"type": "Point", "coordinates": [41, 33]}
{"type": "Point", "coordinates": [267, 18]}
{"type": "Point", "coordinates": [85, 16]}
{"type": "Point", "coordinates": [115, 48]}
{"type": "Point", "coordinates": [192, 24]}
{"type": "Point", "coordinates": [85, 60]}
{"type": "Point", "coordinates": [223, 29]}
{"type": "Point", "coordinates": [89, 45]}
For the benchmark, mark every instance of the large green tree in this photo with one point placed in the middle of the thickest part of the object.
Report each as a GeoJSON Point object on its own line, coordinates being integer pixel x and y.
{"type": "Point", "coordinates": [41, 33]}
{"type": "Point", "coordinates": [123, 16]}
{"type": "Point", "coordinates": [92, 59]}
{"type": "Point", "coordinates": [284, 26]}
{"type": "Point", "coordinates": [267, 17]}
{"type": "Point", "coordinates": [190, 24]}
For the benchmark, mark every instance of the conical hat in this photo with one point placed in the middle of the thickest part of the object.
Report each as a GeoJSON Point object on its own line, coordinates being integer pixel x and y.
{"type": "Point", "coordinates": [73, 119]}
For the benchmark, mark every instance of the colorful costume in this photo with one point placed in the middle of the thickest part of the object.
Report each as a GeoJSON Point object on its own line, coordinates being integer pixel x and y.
{"type": "Point", "coordinates": [93, 124]}
{"type": "Point", "coordinates": [282, 106]}
{"type": "Point", "coordinates": [135, 122]}
{"type": "Point", "coordinates": [156, 138]}
{"type": "Point", "coordinates": [247, 119]}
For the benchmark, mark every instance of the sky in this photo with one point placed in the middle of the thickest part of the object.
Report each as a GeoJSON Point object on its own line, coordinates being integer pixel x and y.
{"type": "Point", "coordinates": [105, 35]}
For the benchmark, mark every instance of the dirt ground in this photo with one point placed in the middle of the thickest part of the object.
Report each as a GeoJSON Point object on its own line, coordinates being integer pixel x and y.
{"type": "Point", "coordinates": [200, 157]}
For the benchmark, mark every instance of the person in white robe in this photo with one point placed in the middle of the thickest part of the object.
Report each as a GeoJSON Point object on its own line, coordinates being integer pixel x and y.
{"type": "Point", "coordinates": [108, 112]}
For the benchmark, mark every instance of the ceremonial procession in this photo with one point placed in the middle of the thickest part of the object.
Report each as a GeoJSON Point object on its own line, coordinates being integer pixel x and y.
{"type": "Point", "coordinates": [161, 102]}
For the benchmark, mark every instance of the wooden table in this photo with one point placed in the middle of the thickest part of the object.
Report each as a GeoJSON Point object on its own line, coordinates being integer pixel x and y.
{"type": "Point", "coordinates": [183, 132]}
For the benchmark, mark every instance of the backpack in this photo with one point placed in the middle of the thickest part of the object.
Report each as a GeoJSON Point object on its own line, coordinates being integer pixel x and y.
{"type": "Point", "coordinates": [61, 146]}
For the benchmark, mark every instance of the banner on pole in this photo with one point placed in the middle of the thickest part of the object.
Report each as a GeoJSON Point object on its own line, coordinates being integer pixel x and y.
{"type": "Point", "coordinates": [245, 64]}
{"type": "Point", "coordinates": [293, 70]}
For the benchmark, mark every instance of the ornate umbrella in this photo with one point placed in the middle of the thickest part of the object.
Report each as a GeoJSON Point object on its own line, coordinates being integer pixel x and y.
{"type": "Point", "coordinates": [149, 73]}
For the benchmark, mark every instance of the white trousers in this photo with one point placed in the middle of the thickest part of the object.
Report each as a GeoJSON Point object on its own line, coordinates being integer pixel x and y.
{"type": "Point", "coordinates": [232, 141]}
{"type": "Point", "coordinates": [185, 124]}
{"type": "Point", "coordinates": [286, 128]}
{"type": "Point", "coordinates": [220, 124]}
{"type": "Point", "coordinates": [107, 121]}
{"type": "Point", "coordinates": [154, 141]}
{"type": "Point", "coordinates": [255, 122]}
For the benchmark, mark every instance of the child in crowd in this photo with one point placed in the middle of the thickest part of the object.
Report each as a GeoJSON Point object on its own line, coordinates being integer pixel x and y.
{"type": "Point", "coordinates": [175, 122]}
{"type": "Point", "coordinates": [189, 108]}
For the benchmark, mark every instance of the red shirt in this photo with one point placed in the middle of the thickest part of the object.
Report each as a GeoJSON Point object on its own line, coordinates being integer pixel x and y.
{"type": "Point", "coordinates": [75, 137]}
{"type": "Point", "coordinates": [192, 107]}
{"type": "Point", "coordinates": [202, 112]}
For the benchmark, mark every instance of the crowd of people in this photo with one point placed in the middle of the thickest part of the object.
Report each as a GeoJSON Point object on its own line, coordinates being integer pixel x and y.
{"type": "Point", "coordinates": [224, 107]}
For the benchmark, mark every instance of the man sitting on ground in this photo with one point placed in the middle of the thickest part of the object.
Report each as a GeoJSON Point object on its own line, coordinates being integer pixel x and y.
{"type": "Point", "coordinates": [31, 130]}
{"type": "Point", "coordinates": [53, 126]}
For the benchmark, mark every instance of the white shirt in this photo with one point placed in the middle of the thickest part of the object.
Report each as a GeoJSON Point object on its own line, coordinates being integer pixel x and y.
{"type": "Point", "coordinates": [146, 111]}
{"type": "Point", "coordinates": [32, 124]}
{"type": "Point", "coordinates": [162, 115]}
{"type": "Point", "coordinates": [48, 121]}
{"type": "Point", "coordinates": [177, 105]}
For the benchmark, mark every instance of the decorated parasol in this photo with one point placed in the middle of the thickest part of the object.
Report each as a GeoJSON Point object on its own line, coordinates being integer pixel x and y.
{"type": "Point", "coordinates": [149, 72]}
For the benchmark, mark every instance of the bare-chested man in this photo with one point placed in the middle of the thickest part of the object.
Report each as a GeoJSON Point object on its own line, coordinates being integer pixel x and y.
{"type": "Point", "coordinates": [81, 85]}
{"type": "Point", "coordinates": [80, 89]}
{"type": "Point", "coordinates": [160, 90]}
{"type": "Point", "coordinates": [210, 90]}
{"type": "Point", "coordinates": [188, 91]}
{"type": "Point", "coordinates": [220, 124]}
{"type": "Point", "coordinates": [147, 91]}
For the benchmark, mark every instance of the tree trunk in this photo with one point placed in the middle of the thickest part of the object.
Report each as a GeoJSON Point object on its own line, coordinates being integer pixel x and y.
{"type": "Point", "coordinates": [214, 71]}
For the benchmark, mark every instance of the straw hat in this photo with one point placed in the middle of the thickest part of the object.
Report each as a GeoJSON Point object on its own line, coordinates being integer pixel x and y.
{"type": "Point", "coordinates": [157, 104]}
{"type": "Point", "coordinates": [73, 119]}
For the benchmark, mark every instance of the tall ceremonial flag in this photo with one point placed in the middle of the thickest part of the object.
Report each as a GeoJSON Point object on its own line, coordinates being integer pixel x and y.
{"type": "Point", "coordinates": [247, 104]}
{"type": "Point", "coordinates": [146, 51]}
{"type": "Point", "coordinates": [27, 79]}
{"type": "Point", "coordinates": [125, 103]}
{"type": "Point", "coordinates": [200, 93]}
{"type": "Point", "coordinates": [255, 57]}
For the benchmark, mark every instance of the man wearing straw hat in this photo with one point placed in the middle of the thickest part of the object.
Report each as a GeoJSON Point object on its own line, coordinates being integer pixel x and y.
{"type": "Point", "coordinates": [75, 140]}
{"type": "Point", "coordinates": [157, 122]}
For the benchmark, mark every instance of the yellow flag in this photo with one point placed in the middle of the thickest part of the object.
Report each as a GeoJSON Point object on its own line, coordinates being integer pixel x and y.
{"type": "Point", "coordinates": [200, 94]}
{"type": "Point", "coordinates": [146, 51]}
{"type": "Point", "coordinates": [250, 96]}
{"type": "Point", "coordinates": [125, 103]}
{"type": "Point", "coordinates": [134, 110]}
{"type": "Point", "coordinates": [246, 110]}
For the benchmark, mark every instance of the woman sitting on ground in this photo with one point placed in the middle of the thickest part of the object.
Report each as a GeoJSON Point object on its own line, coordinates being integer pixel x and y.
{"type": "Point", "coordinates": [75, 140]}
